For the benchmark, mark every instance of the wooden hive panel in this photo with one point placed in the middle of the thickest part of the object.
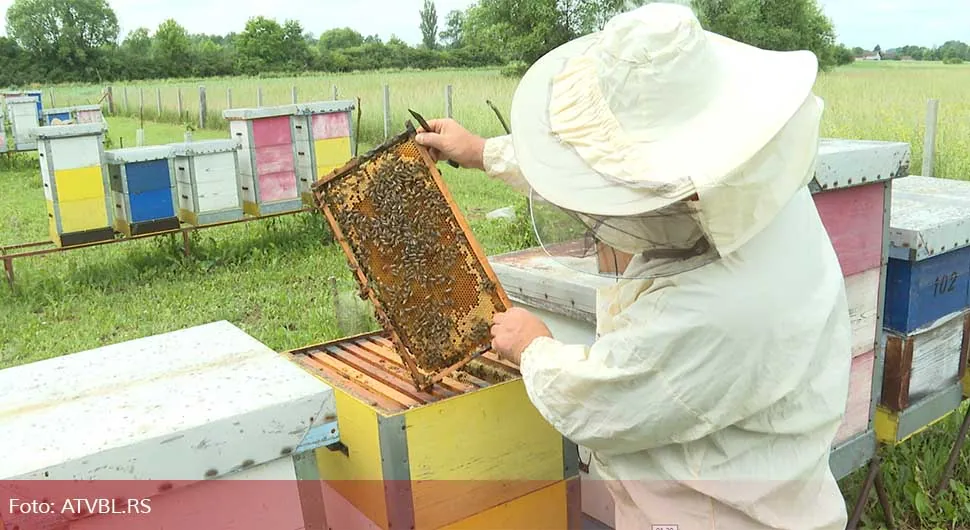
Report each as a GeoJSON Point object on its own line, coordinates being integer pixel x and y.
{"type": "Point", "coordinates": [924, 363]}
{"type": "Point", "coordinates": [414, 256]}
{"type": "Point", "coordinates": [854, 220]}
{"type": "Point", "coordinates": [856, 419]}
{"type": "Point", "coordinates": [89, 116]}
{"type": "Point", "coordinates": [456, 454]}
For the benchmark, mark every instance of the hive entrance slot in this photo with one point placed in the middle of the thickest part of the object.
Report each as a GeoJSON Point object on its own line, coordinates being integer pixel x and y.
{"type": "Point", "coordinates": [414, 256]}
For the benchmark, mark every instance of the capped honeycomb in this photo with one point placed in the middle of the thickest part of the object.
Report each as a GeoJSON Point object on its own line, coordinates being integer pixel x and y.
{"type": "Point", "coordinates": [413, 256]}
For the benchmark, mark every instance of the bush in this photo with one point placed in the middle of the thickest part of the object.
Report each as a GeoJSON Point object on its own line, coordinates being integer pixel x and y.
{"type": "Point", "coordinates": [953, 60]}
{"type": "Point", "coordinates": [515, 69]}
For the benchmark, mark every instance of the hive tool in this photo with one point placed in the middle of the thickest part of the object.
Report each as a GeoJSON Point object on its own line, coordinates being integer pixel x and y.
{"type": "Point", "coordinates": [424, 125]}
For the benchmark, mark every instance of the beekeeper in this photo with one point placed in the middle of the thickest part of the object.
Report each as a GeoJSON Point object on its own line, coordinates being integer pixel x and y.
{"type": "Point", "coordinates": [719, 376]}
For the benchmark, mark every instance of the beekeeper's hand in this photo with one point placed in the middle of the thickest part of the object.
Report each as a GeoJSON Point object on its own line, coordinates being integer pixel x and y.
{"type": "Point", "coordinates": [514, 330]}
{"type": "Point", "coordinates": [449, 140]}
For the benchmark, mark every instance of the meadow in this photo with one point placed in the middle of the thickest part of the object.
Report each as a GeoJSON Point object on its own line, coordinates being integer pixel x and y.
{"type": "Point", "coordinates": [269, 277]}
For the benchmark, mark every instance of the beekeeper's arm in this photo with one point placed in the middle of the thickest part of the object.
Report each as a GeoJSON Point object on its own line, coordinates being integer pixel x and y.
{"type": "Point", "coordinates": [672, 375]}
{"type": "Point", "coordinates": [498, 159]}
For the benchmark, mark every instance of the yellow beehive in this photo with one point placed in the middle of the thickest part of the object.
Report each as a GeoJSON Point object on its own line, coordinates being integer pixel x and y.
{"type": "Point", "coordinates": [472, 452]}
{"type": "Point", "coordinates": [75, 178]}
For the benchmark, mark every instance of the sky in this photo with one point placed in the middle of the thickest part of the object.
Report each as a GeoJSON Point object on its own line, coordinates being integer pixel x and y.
{"type": "Point", "coordinates": [863, 23]}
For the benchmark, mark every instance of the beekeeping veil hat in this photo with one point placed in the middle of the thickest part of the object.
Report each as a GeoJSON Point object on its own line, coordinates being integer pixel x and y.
{"type": "Point", "coordinates": [663, 140]}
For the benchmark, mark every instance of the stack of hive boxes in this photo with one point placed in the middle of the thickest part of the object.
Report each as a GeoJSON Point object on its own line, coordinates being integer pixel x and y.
{"type": "Point", "coordinates": [928, 296]}
{"type": "Point", "coordinates": [24, 119]}
{"type": "Point", "coordinates": [286, 148]}
{"type": "Point", "coordinates": [330, 129]}
{"type": "Point", "coordinates": [75, 179]}
{"type": "Point", "coordinates": [143, 189]}
{"type": "Point", "coordinates": [208, 180]}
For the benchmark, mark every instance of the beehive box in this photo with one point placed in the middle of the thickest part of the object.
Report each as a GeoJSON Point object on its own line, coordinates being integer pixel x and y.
{"type": "Point", "coordinates": [929, 261]}
{"type": "Point", "coordinates": [24, 118]}
{"type": "Point", "coordinates": [270, 157]}
{"type": "Point", "coordinates": [88, 114]}
{"type": "Point", "coordinates": [925, 362]}
{"type": "Point", "coordinates": [75, 179]}
{"type": "Point", "coordinates": [328, 141]}
{"type": "Point", "coordinates": [471, 452]}
{"type": "Point", "coordinates": [3, 132]}
{"type": "Point", "coordinates": [926, 305]}
{"type": "Point", "coordinates": [414, 256]}
{"type": "Point", "coordinates": [852, 190]}
{"type": "Point", "coordinates": [143, 189]}
{"type": "Point", "coordinates": [209, 425]}
{"type": "Point", "coordinates": [207, 179]}
{"type": "Point", "coordinates": [35, 95]}
{"type": "Point", "coordinates": [58, 116]}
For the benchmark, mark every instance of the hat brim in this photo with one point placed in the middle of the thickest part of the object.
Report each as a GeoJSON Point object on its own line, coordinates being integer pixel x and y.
{"type": "Point", "coordinates": [762, 92]}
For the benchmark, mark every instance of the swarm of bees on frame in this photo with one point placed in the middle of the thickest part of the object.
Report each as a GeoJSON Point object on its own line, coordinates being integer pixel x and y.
{"type": "Point", "coordinates": [415, 257]}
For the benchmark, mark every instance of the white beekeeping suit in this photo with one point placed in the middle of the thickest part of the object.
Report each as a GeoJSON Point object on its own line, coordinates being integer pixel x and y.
{"type": "Point", "coordinates": [719, 378]}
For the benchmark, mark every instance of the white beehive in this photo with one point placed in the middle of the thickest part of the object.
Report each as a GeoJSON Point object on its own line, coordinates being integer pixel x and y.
{"type": "Point", "coordinates": [207, 179]}
{"type": "Point", "coordinates": [24, 119]}
{"type": "Point", "coordinates": [3, 132]}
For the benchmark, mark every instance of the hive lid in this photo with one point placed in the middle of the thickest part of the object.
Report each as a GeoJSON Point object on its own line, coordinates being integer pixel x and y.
{"type": "Point", "coordinates": [532, 277]}
{"type": "Point", "coordinates": [166, 407]}
{"type": "Point", "coordinates": [930, 216]}
{"type": "Point", "coordinates": [846, 163]}
{"type": "Point", "coordinates": [204, 147]}
{"type": "Point", "coordinates": [58, 110]}
{"type": "Point", "coordinates": [87, 107]}
{"type": "Point", "coordinates": [67, 131]}
{"type": "Point", "coordinates": [21, 99]}
{"type": "Point", "coordinates": [262, 112]}
{"type": "Point", "coordinates": [323, 107]}
{"type": "Point", "coordinates": [146, 153]}
{"type": "Point", "coordinates": [414, 256]}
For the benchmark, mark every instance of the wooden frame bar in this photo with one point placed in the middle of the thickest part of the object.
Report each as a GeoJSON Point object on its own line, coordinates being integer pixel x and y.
{"type": "Point", "coordinates": [405, 344]}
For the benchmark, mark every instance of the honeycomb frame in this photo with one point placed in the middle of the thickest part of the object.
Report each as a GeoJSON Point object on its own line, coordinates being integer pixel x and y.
{"type": "Point", "coordinates": [414, 256]}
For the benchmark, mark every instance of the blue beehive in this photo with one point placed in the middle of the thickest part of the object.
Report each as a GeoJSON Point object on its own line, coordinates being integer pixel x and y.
{"type": "Point", "coordinates": [143, 189]}
{"type": "Point", "coordinates": [928, 275]}
{"type": "Point", "coordinates": [39, 96]}
{"type": "Point", "coordinates": [58, 116]}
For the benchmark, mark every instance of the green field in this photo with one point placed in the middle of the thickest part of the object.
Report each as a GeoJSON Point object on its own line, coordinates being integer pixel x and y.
{"type": "Point", "coordinates": [269, 277]}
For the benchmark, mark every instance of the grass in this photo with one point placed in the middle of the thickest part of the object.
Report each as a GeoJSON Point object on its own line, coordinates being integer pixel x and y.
{"type": "Point", "coordinates": [269, 277]}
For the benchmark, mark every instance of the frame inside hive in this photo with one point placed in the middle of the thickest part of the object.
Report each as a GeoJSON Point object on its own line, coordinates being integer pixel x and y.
{"type": "Point", "coordinates": [414, 256]}
{"type": "Point", "coordinates": [368, 367]}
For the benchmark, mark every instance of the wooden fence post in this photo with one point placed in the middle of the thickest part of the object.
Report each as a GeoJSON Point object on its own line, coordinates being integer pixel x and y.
{"type": "Point", "coordinates": [335, 92]}
{"type": "Point", "coordinates": [158, 102]}
{"type": "Point", "coordinates": [111, 100]}
{"type": "Point", "coordinates": [293, 94]}
{"type": "Point", "coordinates": [125, 94]}
{"type": "Point", "coordinates": [51, 91]}
{"type": "Point", "coordinates": [141, 102]}
{"type": "Point", "coordinates": [259, 96]}
{"type": "Point", "coordinates": [202, 107]}
{"type": "Point", "coordinates": [387, 112]}
{"type": "Point", "coordinates": [229, 98]}
{"type": "Point", "coordinates": [448, 113]}
{"type": "Point", "coordinates": [179, 94]}
{"type": "Point", "coordinates": [929, 139]}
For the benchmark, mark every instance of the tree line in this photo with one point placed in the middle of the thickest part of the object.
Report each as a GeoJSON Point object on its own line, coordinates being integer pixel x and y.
{"type": "Point", "coordinates": [56, 41]}
{"type": "Point", "coordinates": [951, 52]}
